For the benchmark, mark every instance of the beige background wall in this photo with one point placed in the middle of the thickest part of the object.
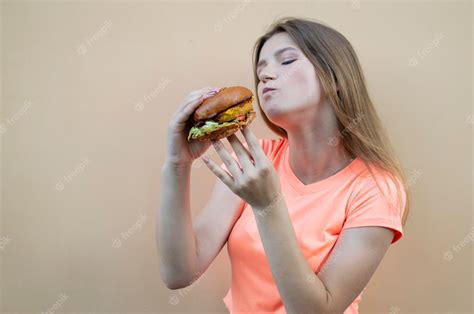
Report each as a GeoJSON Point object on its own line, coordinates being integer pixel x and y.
{"type": "Point", "coordinates": [87, 91]}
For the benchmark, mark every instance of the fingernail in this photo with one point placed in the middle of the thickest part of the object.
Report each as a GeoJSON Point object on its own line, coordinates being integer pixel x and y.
{"type": "Point", "coordinates": [205, 158]}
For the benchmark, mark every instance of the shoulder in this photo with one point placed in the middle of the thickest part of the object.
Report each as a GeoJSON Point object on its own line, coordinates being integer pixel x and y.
{"type": "Point", "coordinates": [382, 181]}
{"type": "Point", "coordinates": [378, 199]}
{"type": "Point", "coordinates": [369, 179]}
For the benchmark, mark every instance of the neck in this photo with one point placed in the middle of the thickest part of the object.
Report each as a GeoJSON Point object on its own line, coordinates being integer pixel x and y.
{"type": "Point", "coordinates": [314, 158]}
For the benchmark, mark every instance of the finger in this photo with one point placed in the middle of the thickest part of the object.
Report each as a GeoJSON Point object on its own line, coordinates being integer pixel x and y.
{"type": "Point", "coordinates": [199, 95]}
{"type": "Point", "coordinates": [183, 115]}
{"type": "Point", "coordinates": [227, 158]}
{"type": "Point", "coordinates": [205, 90]}
{"type": "Point", "coordinates": [244, 156]}
{"type": "Point", "coordinates": [223, 175]}
{"type": "Point", "coordinates": [187, 100]}
{"type": "Point", "coordinates": [253, 144]}
{"type": "Point", "coordinates": [193, 96]}
{"type": "Point", "coordinates": [192, 102]}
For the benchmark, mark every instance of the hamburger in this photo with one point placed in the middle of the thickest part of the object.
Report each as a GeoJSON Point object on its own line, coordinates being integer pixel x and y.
{"type": "Point", "coordinates": [223, 114]}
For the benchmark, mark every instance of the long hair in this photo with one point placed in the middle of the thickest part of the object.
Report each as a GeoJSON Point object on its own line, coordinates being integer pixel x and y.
{"type": "Point", "coordinates": [362, 133]}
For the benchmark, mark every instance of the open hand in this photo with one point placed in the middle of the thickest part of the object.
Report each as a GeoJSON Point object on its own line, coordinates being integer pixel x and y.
{"type": "Point", "coordinates": [256, 181]}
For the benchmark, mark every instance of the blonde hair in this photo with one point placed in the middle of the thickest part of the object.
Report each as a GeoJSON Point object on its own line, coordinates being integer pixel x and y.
{"type": "Point", "coordinates": [343, 82]}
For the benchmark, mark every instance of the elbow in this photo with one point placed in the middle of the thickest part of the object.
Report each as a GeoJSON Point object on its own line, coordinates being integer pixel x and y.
{"type": "Point", "coordinates": [174, 286]}
{"type": "Point", "coordinates": [317, 305]}
{"type": "Point", "coordinates": [172, 282]}
{"type": "Point", "coordinates": [310, 304]}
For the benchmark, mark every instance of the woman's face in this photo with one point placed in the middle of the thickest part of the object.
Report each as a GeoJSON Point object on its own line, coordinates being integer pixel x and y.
{"type": "Point", "coordinates": [282, 65]}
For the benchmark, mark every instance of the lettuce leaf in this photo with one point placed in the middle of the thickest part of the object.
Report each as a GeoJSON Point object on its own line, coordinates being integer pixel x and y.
{"type": "Point", "coordinates": [208, 127]}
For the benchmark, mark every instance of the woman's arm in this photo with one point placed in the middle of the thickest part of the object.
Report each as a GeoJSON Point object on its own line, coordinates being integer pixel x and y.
{"type": "Point", "coordinates": [175, 237]}
{"type": "Point", "coordinates": [357, 253]}
{"type": "Point", "coordinates": [186, 252]}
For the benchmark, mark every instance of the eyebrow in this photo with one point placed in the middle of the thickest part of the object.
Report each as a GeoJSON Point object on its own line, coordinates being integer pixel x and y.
{"type": "Point", "coordinates": [278, 52]}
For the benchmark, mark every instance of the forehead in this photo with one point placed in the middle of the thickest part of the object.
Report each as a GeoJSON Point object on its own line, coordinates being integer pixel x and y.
{"type": "Point", "coordinates": [277, 41]}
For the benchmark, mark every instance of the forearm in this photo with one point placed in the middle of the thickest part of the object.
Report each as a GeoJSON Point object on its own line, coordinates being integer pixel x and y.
{"type": "Point", "coordinates": [175, 236]}
{"type": "Point", "coordinates": [300, 288]}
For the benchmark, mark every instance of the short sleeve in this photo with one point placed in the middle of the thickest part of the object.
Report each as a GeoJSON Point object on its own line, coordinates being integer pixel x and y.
{"type": "Point", "coordinates": [372, 206]}
{"type": "Point", "coordinates": [266, 145]}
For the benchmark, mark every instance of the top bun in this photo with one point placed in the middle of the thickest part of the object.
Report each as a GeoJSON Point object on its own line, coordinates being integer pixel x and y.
{"type": "Point", "coordinates": [224, 99]}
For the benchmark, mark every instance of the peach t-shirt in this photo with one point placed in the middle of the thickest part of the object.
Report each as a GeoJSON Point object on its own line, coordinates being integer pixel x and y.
{"type": "Point", "coordinates": [319, 212]}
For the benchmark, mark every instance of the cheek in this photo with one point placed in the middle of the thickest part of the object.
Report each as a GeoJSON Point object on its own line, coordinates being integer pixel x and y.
{"type": "Point", "coordinates": [304, 87]}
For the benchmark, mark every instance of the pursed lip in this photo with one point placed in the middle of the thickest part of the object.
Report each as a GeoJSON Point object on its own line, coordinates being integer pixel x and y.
{"type": "Point", "coordinates": [267, 89]}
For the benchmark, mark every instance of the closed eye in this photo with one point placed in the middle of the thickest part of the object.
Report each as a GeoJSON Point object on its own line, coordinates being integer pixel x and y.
{"type": "Point", "coordinates": [289, 61]}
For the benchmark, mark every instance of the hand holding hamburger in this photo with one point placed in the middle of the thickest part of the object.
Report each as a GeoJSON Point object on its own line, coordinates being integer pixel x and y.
{"type": "Point", "coordinates": [223, 114]}
{"type": "Point", "coordinates": [205, 114]}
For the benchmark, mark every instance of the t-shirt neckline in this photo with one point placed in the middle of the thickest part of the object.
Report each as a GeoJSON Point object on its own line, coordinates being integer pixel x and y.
{"type": "Point", "coordinates": [300, 187]}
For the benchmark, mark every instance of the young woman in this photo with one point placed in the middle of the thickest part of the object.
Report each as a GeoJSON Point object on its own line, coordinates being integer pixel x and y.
{"type": "Point", "coordinates": [307, 218]}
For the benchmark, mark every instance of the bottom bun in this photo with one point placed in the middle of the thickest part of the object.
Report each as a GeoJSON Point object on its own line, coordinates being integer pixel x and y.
{"type": "Point", "coordinates": [228, 130]}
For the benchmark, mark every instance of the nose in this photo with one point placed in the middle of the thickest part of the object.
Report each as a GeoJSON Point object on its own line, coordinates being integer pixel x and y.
{"type": "Point", "coordinates": [267, 76]}
{"type": "Point", "coordinates": [267, 81]}
{"type": "Point", "coordinates": [268, 73]}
